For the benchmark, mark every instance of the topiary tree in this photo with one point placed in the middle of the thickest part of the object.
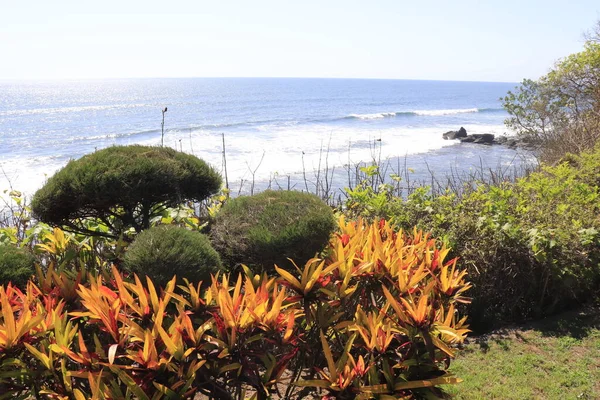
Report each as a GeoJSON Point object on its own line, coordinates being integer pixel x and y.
{"type": "Point", "coordinates": [166, 250]}
{"type": "Point", "coordinates": [124, 187]}
{"type": "Point", "coordinates": [16, 265]}
{"type": "Point", "coordinates": [267, 228]}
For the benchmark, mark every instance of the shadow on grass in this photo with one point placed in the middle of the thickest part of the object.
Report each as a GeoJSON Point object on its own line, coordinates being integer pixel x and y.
{"type": "Point", "coordinates": [499, 338]}
{"type": "Point", "coordinates": [577, 324]}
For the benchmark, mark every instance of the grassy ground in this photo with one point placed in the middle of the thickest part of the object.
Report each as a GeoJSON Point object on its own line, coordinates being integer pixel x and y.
{"type": "Point", "coordinates": [555, 358]}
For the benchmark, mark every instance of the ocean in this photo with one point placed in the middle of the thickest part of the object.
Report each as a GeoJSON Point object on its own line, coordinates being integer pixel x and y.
{"type": "Point", "coordinates": [272, 127]}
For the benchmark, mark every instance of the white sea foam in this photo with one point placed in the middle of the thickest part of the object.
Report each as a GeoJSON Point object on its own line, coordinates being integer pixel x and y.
{"type": "Point", "coordinates": [446, 112]}
{"type": "Point", "coordinates": [55, 110]}
{"type": "Point", "coordinates": [373, 116]}
{"type": "Point", "coordinates": [267, 151]}
{"type": "Point", "coordinates": [430, 113]}
{"type": "Point", "coordinates": [27, 174]}
{"type": "Point", "coordinates": [290, 150]}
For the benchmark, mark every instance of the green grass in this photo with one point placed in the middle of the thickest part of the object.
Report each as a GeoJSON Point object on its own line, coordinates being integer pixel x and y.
{"type": "Point", "coordinates": [556, 358]}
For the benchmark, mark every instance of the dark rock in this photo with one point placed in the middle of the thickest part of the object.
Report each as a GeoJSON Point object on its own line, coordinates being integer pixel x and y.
{"type": "Point", "coordinates": [479, 138]}
{"type": "Point", "coordinates": [512, 142]}
{"type": "Point", "coordinates": [451, 135]}
{"type": "Point", "coordinates": [483, 138]}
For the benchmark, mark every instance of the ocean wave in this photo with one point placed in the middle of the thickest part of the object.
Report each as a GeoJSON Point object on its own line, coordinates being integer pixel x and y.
{"type": "Point", "coordinates": [430, 113]}
{"type": "Point", "coordinates": [372, 116]}
{"type": "Point", "coordinates": [187, 130]}
{"type": "Point", "coordinates": [57, 110]}
{"type": "Point", "coordinates": [117, 135]}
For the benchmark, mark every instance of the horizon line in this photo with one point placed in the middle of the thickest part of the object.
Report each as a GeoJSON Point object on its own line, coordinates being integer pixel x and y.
{"type": "Point", "coordinates": [55, 79]}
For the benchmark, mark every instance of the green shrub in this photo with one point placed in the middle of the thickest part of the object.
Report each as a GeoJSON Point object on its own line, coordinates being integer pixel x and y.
{"type": "Point", "coordinates": [267, 228]}
{"type": "Point", "coordinates": [531, 247]}
{"type": "Point", "coordinates": [16, 265]}
{"type": "Point", "coordinates": [124, 187]}
{"type": "Point", "coordinates": [560, 111]}
{"type": "Point", "coordinates": [351, 325]}
{"type": "Point", "coordinates": [166, 250]}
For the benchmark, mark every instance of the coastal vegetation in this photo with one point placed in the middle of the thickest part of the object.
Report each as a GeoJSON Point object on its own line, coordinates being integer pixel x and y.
{"type": "Point", "coordinates": [561, 110]}
{"type": "Point", "coordinates": [131, 277]}
{"type": "Point", "coordinates": [122, 188]}
{"type": "Point", "coordinates": [166, 250]}
{"type": "Point", "coordinates": [377, 317]}
{"type": "Point", "coordinates": [17, 265]}
{"type": "Point", "coordinates": [270, 228]}
{"type": "Point", "coordinates": [541, 231]}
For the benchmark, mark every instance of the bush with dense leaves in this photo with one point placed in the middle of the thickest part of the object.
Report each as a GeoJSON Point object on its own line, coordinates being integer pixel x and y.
{"type": "Point", "coordinates": [163, 251]}
{"type": "Point", "coordinates": [124, 187]}
{"type": "Point", "coordinates": [561, 110]}
{"type": "Point", "coordinates": [376, 319]}
{"type": "Point", "coordinates": [532, 247]}
{"type": "Point", "coordinates": [270, 227]}
{"type": "Point", "coordinates": [16, 265]}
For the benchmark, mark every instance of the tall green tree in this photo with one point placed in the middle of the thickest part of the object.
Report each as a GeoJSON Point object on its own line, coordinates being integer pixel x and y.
{"type": "Point", "coordinates": [561, 110]}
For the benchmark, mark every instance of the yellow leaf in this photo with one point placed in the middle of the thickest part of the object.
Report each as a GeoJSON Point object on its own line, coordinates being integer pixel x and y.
{"type": "Point", "coordinates": [39, 355]}
{"type": "Point", "coordinates": [79, 395]}
{"type": "Point", "coordinates": [288, 277]}
{"type": "Point", "coordinates": [112, 351]}
{"type": "Point", "coordinates": [329, 357]}
{"type": "Point", "coordinates": [442, 380]}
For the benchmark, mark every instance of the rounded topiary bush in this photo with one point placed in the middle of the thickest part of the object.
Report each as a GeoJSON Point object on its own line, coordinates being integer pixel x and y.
{"type": "Point", "coordinates": [16, 265]}
{"type": "Point", "coordinates": [124, 186]}
{"type": "Point", "coordinates": [267, 228]}
{"type": "Point", "coordinates": [163, 251]}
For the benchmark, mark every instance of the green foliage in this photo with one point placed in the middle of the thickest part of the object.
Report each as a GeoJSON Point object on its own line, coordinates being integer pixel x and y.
{"type": "Point", "coordinates": [163, 251]}
{"type": "Point", "coordinates": [16, 225]}
{"type": "Point", "coordinates": [531, 247]}
{"type": "Point", "coordinates": [16, 265]}
{"type": "Point", "coordinates": [368, 198]}
{"type": "Point", "coordinates": [376, 319]}
{"type": "Point", "coordinates": [122, 187]}
{"type": "Point", "coordinates": [55, 249]}
{"type": "Point", "coordinates": [561, 110]}
{"type": "Point", "coordinates": [270, 227]}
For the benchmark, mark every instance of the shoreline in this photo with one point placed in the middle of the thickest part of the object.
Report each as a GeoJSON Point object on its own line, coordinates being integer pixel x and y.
{"type": "Point", "coordinates": [457, 161]}
{"type": "Point", "coordinates": [415, 169]}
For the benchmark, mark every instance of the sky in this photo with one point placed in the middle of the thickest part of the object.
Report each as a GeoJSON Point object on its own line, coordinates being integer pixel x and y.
{"type": "Point", "coordinates": [494, 40]}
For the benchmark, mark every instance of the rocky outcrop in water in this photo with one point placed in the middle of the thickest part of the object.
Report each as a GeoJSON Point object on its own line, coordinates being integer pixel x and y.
{"type": "Point", "coordinates": [515, 143]}
{"type": "Point", "coordinates": [488, 139]}
{"type": "Point", "coordinates": [479, 138]}
{"type": "Point", "coordinates": [451, 135]}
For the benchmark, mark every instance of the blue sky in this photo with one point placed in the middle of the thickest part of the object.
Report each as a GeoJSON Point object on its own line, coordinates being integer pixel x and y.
{"type": "Point", "coordinates": [448, 40]}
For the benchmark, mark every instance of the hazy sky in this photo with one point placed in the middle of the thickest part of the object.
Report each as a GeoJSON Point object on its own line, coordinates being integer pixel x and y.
{"type": "Point", "coordinates": [484, 40]}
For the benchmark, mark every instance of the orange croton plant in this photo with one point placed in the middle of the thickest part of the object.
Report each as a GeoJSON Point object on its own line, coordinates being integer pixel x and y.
{"type": "Point", "coordinates": [374, 318]}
